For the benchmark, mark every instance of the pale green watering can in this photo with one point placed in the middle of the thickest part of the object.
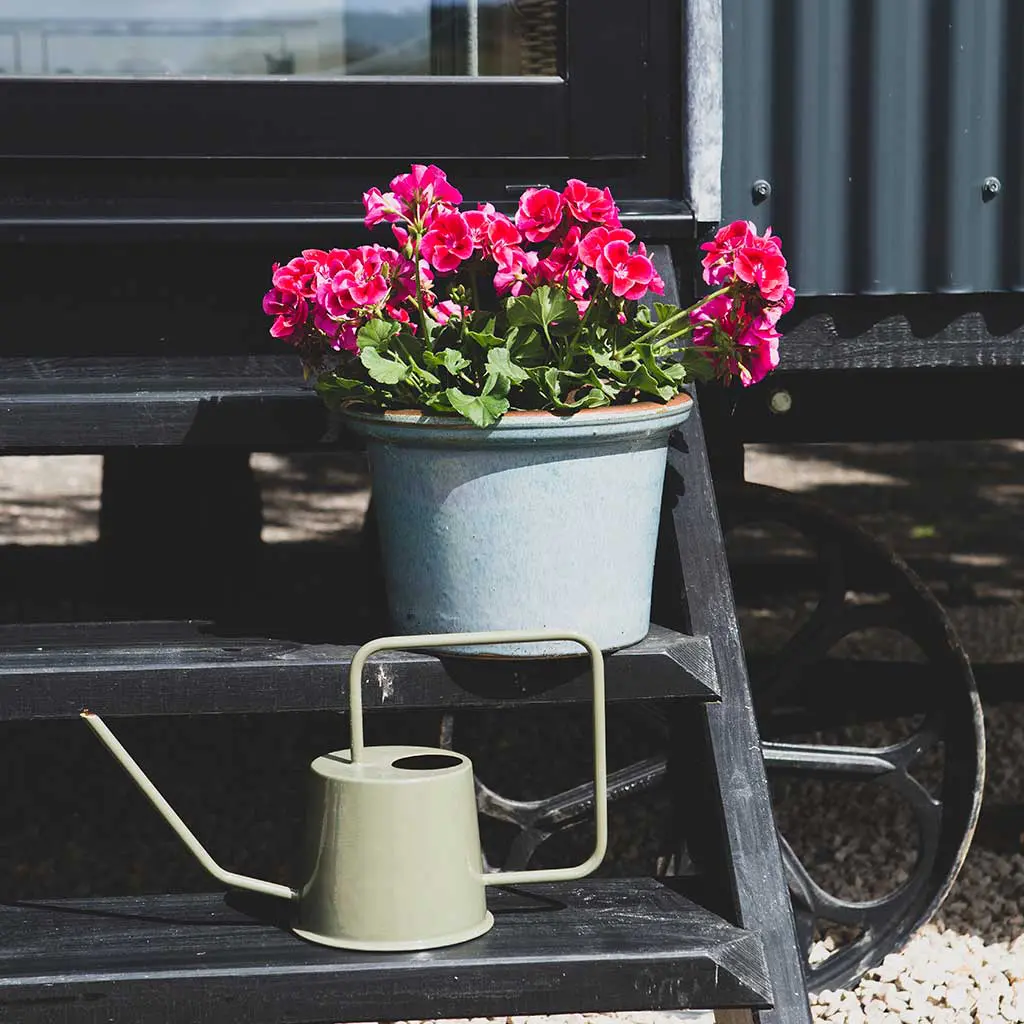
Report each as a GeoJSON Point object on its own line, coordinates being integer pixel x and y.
{"type": "Point", "coordinates": [393, 857]}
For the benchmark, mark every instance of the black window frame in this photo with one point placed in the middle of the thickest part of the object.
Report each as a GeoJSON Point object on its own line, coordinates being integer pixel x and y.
{"type": "Point", "coordinates": [298, 118]}
{"type": "Point", "coordinates": [75, 165]}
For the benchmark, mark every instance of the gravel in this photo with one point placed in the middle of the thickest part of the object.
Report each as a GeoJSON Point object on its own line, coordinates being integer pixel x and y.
{"type": "Point", "coordinates": [949, 509]}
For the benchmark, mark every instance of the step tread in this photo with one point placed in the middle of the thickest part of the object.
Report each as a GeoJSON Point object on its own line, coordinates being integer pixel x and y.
{"type": "Point", "coordinates": [606, 944]}
{"type": "Point", "coordinates": [191, 667]}
{"type": "Point", "coordinates": [89, 403]}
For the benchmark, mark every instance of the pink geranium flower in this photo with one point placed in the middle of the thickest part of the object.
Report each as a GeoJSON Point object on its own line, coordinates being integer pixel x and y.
{"type": "Point", "coordinates": [516, 271]}
{"type": "Point", "coordinates": [757, 351]}
{"type": "Point", "coordinates": [423, 186]}
{"type": "Point", "coordinates": [759, 262]}
{"type": "Point", "coordinates": [774, 311]}
{"type": "Point", "coordinates": [594, 241]}
{"type": "Point", "coordinates": [571, 241]}
{"type": "Point", "coordinates": [576, 283]}
{"type": "Point", "coordinates": [588, 204]}
{"type": "Point", "coordinates": [298, 275]}
{"type": "Point", "coordinates": [401, 272]}
{"type": "Point", "coordinates": [656, 285]}
{"type": "Point", "coordinates": [564, 255]}
{"type": "Point", "coordinates": [382, 207]}
{"type": "Point", "coordinates": [365, 278]}
{"type": "Point", "coordinates": [342, 335]}
{"type": "Point", "coordinates": [289, 309]}
{"type": "Point", "coordinates": [448, 310]}
{"type": "Point", "coordinates": [539, 213]}
{"type": "Point", "coordinates": [722, 249]}
{"type": "Point", "coordinates": [477, 222]}
{"type": "Point", "coordinates": [352, 278]}
{"type": "Point", "coordinates": [717, 311]}
{"type": "Point", "coordinates": [628, 275]}
{"type": "Point", "coordinates": [490, 229]}
{"type": "Point", "coordinates": [448, 242]}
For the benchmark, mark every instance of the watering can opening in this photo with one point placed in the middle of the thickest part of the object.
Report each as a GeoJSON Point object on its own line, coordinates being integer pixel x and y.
{"type": "Point", "coordinates": [426, 762]}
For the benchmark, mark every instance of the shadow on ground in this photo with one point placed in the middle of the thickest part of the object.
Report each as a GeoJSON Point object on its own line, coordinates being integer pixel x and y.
{"type": "Point", "coordinates": [953, 510]}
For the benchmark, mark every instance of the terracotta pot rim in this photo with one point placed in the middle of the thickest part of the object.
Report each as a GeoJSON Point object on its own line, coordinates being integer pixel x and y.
{"type": "Point", "coordinates": [518, 415]}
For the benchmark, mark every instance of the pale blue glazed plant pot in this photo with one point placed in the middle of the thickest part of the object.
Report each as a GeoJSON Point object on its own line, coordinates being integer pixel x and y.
{"type": "Point", "coordinates": [539, 522]}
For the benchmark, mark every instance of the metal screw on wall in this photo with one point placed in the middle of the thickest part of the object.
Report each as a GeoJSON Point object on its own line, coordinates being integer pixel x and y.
{"type": "Point", "coordinates": [991, 187]}
{"type": "Point", "coordinates": [780, 402]}
{"type": "Point", "coordinates": [761, 190]}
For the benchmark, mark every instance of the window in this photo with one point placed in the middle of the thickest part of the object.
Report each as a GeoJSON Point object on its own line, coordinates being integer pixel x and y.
{"type": "Point", "coordinates": [242, 119]}
{"type": "Point", "coordinates": [303, 38]}
{"type": "Point", "coordinates": [177, 87]}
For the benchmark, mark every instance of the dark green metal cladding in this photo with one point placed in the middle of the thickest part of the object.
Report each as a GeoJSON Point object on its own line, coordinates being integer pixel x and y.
{"type": "Point", "coordinates": [890, 133]}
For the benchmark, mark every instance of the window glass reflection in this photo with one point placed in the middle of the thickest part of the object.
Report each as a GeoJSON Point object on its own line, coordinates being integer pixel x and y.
{"type": "Point", "coordinates": [313, 38]}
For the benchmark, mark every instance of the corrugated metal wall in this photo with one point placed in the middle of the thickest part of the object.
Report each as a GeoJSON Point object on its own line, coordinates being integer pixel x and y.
{"type": "Point", "coordinates": [876, 124]}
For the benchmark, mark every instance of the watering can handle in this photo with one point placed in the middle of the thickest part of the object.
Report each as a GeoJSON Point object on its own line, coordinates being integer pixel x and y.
{"type": "Point", "coordinates": [391, 643]}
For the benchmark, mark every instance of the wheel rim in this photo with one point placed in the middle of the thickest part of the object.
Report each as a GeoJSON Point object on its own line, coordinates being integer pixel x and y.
{"type": "Point", "coordinates": [790, 695]}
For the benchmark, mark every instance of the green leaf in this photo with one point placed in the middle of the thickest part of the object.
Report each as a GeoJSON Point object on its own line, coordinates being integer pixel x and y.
{"type": "Point", "coordinates": [611, 364]}
{"type": "Point", "coordinates": [496, 384]}
{"type": "Point", "coordinates": [526, 344]}
{"type": "Point", "coordinates": [608, 388]}
{"type": "Point", "coordinates": [481, 410]}
{"type": "Point", "coordinates": [543, 306]}
{"type": "Point", "coordinates": [377, 333]}
{"type": "Point", "coordinates": [656, 369]}
{"type": "Point", "coordinates": [417, 374]}
{"type": "Point", "coordinates": [333, 382]}
{"type": "Point", "coordinates": [450, 358]}
{"type": "Point", "coordinates": [485, 339]}
{"type": "Point", "coordinates": [675, 372]}
{"type": "Point", "coordinates": [334, 389]}
{"type": "Point", "coordinates": [383, 369]}
{"type": "Point", "coordinates": [499, 360]}
{"type": "Point", "coordinates": [594, 398]}
{"type": "Point", "coordinates": [438, 402]}
{"type": "Point", "coordinates": [556, 305]}
{"type": "Point", "coordinates": [664, 310]}
{"type": "Point", "coordinates": [552, 384]}
{"type": "Point", "coordinates": [646, 384]}
{"type": "Point", "coordinates": [697, 364]}
{"type": "Point", "coordinates": [454, 360]}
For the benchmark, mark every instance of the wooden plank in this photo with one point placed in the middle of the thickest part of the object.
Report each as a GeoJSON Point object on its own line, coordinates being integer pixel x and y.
{"type": "Point", "coordinates": [600, 945]}
{"type": "Point", "coordinates": [87, 404]}
{"type": "Point", "coordinates": [904, 332]}
{"type": "Point", "coordinates": [749, 849]}
{"type": "Point", "coordinates": [881, 405]}
{"type": "Point", "coordinates": [893, 343]}
{"type": "Point", "coordinates": [170, 668]}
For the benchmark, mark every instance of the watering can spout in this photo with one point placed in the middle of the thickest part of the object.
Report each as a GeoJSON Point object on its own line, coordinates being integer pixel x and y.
{"type": "Point", "coordinates": [227, 878]}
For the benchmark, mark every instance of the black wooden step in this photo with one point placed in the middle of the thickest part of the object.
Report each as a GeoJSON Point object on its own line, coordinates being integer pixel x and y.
{"type": "Point", "coordinates": [168, 668]}
{"type": "Point", "coordinates": [89, 403]}
{"type": "Point", "coordinates": [600, 945]}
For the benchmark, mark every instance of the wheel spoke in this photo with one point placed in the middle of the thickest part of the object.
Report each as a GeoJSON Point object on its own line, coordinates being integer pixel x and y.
{"type": "Point", "coordinates": [808, 893]}
{"type": "Point", "coordinates": [806, 643]}
{"type": "Point", "coordinates": [571, 805]}
{"type": "Point", "coordinates": [826, 759]}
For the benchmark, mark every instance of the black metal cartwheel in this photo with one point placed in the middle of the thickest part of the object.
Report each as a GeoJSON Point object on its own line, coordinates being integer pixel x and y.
{"type": "Point", "coordinates": [870, 722]}
{"type": "Point", "coordinates": [871, 728]}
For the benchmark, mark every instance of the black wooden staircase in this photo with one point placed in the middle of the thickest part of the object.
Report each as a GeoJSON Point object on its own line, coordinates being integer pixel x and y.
{"type": "Point", "coordinates": [719, 935]}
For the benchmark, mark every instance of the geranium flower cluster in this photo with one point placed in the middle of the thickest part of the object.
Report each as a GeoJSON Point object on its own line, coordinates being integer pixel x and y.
{"type": "Point", "coordinates": [477, 311]}
{"type": "Point", "coordinates": [578, 238]}
{"type": "Point", "coordinates": [737, 324]}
